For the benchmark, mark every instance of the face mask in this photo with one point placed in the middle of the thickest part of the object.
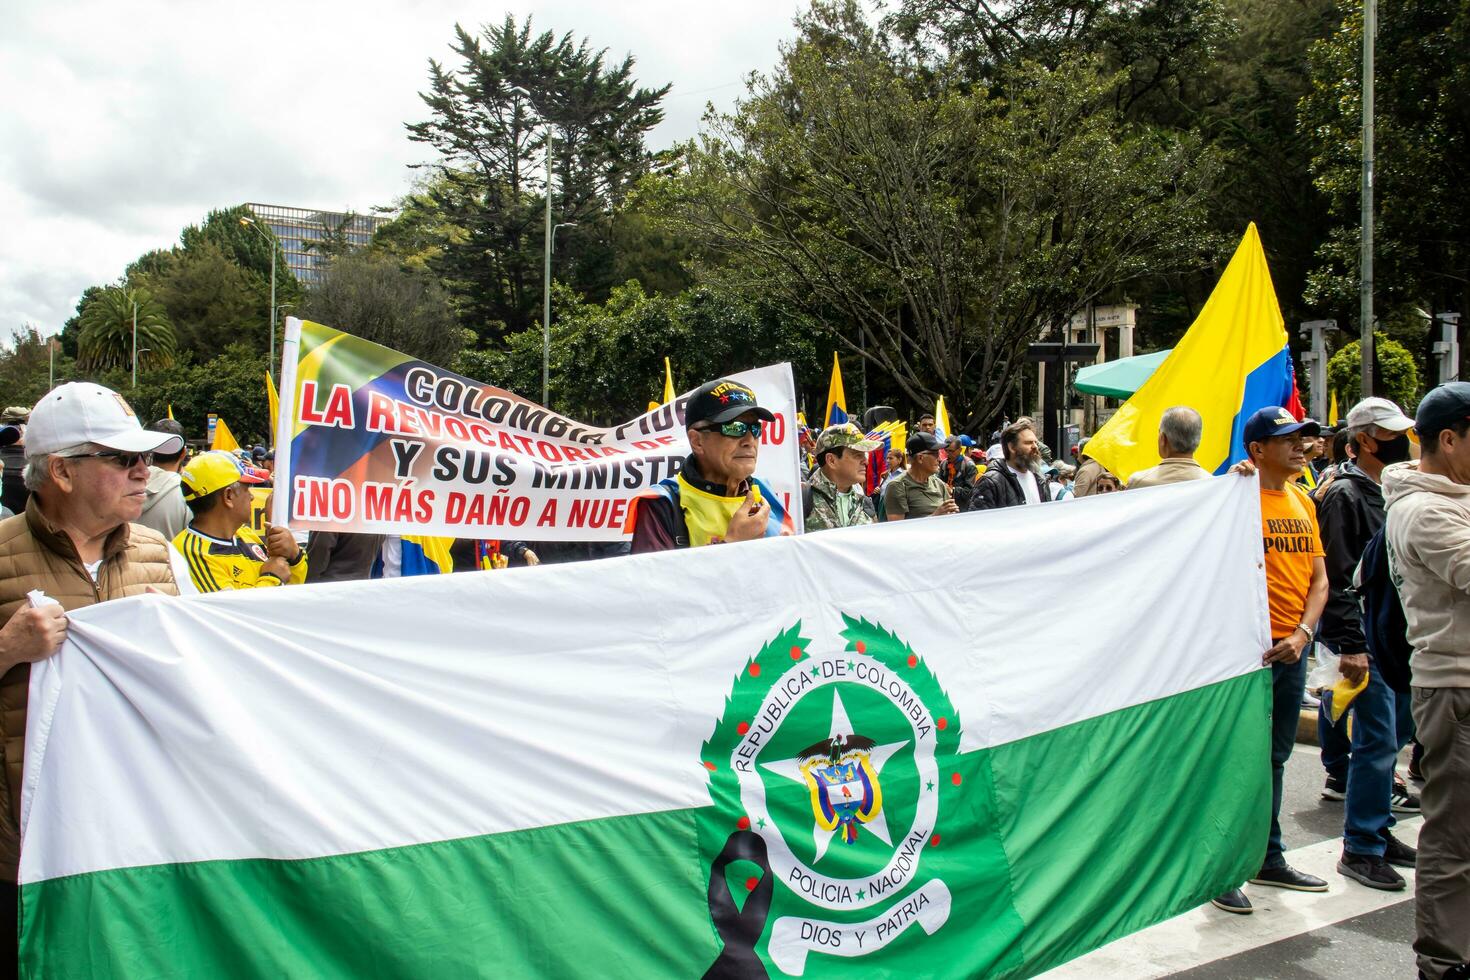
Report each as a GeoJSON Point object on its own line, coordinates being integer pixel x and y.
{"type": "Point", "coordinates": [1392, 450]}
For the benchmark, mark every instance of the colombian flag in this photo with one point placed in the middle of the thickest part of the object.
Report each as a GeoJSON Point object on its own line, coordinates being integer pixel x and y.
{"type": "Point", "coordinates": [1232, 361]}
{"type": "Point", "coordinates": [836, 412]}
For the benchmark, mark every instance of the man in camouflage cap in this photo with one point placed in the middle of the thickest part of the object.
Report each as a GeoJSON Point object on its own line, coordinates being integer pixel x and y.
{"type": "Point", "coordinates": [835, 497]}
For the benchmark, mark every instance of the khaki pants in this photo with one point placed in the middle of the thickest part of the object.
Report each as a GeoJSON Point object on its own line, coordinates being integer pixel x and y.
{"type": "Point", "coordinates": [1442, 874]}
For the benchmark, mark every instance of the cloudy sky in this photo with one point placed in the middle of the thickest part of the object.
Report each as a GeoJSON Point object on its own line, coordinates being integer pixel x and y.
{"type": "Point", "coordinates": [123, 122]}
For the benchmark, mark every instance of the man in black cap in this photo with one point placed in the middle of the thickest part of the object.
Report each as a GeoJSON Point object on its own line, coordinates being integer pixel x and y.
{"type": "Point", "coordinates": [715, 497]}
{"type": "Point", "coordinates": [1428, 538]}
{"type": "Point", "coordinates": [919, 492]}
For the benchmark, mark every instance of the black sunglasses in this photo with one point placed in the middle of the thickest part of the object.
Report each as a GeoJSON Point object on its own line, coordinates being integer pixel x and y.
{"type": "Point", "coordinates": [123, 461]}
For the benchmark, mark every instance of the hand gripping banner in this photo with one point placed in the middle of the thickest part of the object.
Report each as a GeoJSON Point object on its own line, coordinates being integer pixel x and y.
{"type": "Point", "coordinates": [378, 442]}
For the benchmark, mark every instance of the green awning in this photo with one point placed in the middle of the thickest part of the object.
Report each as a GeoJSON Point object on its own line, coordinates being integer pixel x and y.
{"type": "Point", "coordinates": [1120, 378]}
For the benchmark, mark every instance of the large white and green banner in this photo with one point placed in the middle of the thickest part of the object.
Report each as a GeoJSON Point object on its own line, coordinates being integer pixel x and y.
{"type": "Point", "coordinates": [977, 745]}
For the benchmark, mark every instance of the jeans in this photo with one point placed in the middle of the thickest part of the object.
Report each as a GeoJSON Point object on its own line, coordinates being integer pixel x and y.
{"type": "Point", "coordinates": [1288, 683]}
{"type": "Point", "coordinates": [1337, 746]}
{"type": "Point", "coordinates": [1382, 725]}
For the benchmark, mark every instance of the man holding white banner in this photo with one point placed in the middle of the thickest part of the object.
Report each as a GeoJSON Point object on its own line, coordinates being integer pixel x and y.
{"type": "Point", "coordinates": [716, 496]}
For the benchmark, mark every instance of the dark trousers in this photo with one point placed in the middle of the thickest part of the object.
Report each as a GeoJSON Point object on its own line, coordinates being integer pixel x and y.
{"type": "Point", "coordinates": [1382, 725]}
{"type": "Point", "coordinates": [1336, 743]}
{"type": "Point", "coordinates": [1442, 873]}
{"type": "Point", "coordinates": [1288, 683]}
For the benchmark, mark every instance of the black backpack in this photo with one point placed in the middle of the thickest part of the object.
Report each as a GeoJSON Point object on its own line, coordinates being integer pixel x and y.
{"type": "Point", "coordinates": [1384, 625]}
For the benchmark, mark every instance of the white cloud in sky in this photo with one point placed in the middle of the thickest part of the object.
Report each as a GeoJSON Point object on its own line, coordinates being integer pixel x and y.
{"type": "Point", "coordinates": [123, 122]}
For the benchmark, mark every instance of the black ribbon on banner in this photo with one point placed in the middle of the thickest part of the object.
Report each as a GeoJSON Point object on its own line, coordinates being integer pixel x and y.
{"type": "Point", "coordinates": [739, 928]}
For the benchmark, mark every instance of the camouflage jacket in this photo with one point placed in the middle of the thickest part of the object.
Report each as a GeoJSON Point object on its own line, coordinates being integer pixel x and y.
{"type": "Point", "coordinates": [820, 500]}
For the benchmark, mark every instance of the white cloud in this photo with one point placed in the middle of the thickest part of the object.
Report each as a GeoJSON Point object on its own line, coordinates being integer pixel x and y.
{"type": "Point", "coordinates": [124, 122]}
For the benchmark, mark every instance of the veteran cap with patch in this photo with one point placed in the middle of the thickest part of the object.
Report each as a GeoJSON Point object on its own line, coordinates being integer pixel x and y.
{"type": "Point", "coordinates": [722, 401]}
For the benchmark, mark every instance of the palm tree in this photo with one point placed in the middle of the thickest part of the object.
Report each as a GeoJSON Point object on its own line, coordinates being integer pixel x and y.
{"type": "Point", "coordinates": [106, 337]}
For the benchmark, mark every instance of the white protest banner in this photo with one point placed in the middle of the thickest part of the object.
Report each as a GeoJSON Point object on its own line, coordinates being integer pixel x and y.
{"type": "Point", "coordinates": [371, 440]}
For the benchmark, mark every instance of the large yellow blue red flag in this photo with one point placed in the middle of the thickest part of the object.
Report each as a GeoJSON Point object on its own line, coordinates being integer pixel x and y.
{"type": "Point", "coordinates": [836, 412]}
{"type": "Point", "coordinates": [941, 419]}
{"type": "Point", "coordinates": [1232, 361]}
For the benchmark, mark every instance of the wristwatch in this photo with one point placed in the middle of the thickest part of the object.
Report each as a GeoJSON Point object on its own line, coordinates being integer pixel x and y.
{"type": "Point", "coordinates": [1307, 630]}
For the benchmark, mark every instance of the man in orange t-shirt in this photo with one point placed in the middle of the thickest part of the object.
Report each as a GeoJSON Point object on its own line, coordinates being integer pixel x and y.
{"type": "Point", "coordinates": [1296, 591]}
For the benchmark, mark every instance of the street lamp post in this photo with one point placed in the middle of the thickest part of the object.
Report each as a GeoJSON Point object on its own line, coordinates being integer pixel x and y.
{"type": "Point", "coordinates": [1365, 245]}
{"type": "Point", "coordinates": [550, 233]}
{"type": "Point", "coordinates": [135, 343]}
{"type": "Point", "coordinates": [271, 240]}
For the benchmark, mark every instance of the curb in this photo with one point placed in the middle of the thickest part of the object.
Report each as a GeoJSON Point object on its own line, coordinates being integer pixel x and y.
{"type": "Point", "coordinates": [1306, 727]}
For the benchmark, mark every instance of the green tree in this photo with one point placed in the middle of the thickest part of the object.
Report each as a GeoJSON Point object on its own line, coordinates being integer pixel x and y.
{"type": "Point", "coordinates": [210, 300]}
{"type": "Point", "coordinates": [489, 119]}
{"type": "Point", "coordinates": [25, 367]}
{"type": "Point", "coordinates": [1422, 120]}
{"type": "Point", "coordinates": [372, 296]}
{"type": "Point", "coordinates": [247, 241]}
{"type": "Point", "coordinates": [1395, 372]}
{"type": "Point", "coordinates": [231, 384]}
{"type": "Point", "coordinates": [933, 230]}
{"type": "Point", "coordinates": [607, 359]}
{"type": "Point", "coordinates": [114, 320]}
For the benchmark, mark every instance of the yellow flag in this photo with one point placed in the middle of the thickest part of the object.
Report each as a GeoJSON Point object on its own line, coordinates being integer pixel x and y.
{"type": "Point", "coordinates": [275, 404]}
{"type": "Point", "coordinates": [941, 419]}
{"type": "Point", "coordinates": [669, 394]}
{"type": "Point", "coordinates": [170, 411]}
{"type": "Point", "coordinates": [223, 438]}
{"type": "Point", "coordinates": [1332, 409]}
{"type": "Point", "coordinates": [836, 411]}
{"type": "Point", "coordinates": [1232, 361]}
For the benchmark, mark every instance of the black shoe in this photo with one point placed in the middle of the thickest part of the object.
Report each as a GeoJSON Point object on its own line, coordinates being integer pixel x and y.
{"type": "Point", "coordinates": [1233, 901]}
{"type": "Point", "coordinates": [1336, 789]}
{"type": "Point", "coordinates": [1371, 870]}
{"type": "Point", "coordinates": [1415, 772]}
{"type": "Point", "coordinates": [1397, 853]}
{"type": "Point", "coordinates": [1461, 972]}
{"type": "Point", "coordinates": [1288, 877]}
{"type": "Point", "coordinates": [1402, 801]}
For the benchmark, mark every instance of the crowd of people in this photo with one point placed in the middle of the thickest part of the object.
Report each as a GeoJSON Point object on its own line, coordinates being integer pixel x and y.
{"type": "Point", "coordinates": [103, 508]}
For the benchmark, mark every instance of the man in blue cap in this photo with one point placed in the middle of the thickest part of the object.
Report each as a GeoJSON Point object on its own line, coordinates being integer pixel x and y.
{"type": "Point", "coordinates": [1296, 591]}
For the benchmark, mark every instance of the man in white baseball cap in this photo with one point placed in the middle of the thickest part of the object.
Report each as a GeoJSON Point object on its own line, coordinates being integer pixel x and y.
{"type": "Point", "coordinates": [1350, 512]}
{"type": "Point", "coordinates": [87, 467]}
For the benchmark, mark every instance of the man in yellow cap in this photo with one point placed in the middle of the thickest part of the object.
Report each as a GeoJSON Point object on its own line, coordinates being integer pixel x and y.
{"type": "Point", "coordinates": [222, 550]}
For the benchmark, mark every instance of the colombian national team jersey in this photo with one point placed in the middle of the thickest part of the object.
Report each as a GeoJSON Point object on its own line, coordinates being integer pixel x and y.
{"type": "Point", "coordinates": [216, 564]}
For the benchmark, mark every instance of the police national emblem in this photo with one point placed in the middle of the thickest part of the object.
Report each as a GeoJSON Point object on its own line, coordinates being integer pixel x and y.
{"type": "Point", "coordinates": [827, 771]}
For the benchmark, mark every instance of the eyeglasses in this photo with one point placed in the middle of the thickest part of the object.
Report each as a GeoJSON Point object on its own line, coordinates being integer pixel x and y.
{"type": "Point", "coordinates": [736, 430]}
{"type": "Point", "coordinates": [123, 461]}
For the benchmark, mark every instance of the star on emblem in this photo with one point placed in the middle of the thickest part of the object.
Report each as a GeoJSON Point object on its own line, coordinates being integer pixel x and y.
{"type": "Point", "coordinates": [878, 756]}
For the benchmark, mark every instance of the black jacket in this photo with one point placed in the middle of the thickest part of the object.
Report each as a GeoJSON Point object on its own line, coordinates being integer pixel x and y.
{"type": "Point", "coordinates": [1349, 513]}
{"type": "Point", "coordinates": [998, 487]}
{"type": "Point", "coordinates": [960, 474]}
